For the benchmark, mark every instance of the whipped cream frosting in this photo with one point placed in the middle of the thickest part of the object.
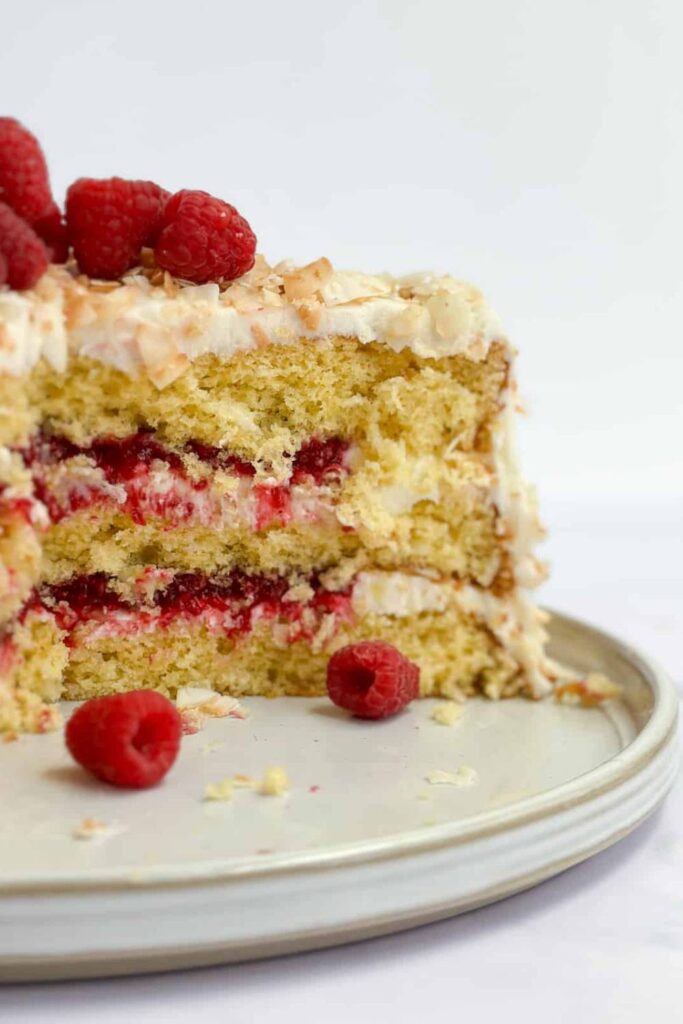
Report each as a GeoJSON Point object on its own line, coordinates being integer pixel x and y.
{"type": "Point", "coordinates": [151, 323]}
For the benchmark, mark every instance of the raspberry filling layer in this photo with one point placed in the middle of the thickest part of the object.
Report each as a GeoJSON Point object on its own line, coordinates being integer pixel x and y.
{"type": "Point", "coordinates": [148, 480]}
{"type": "Point", "coordinates": [8, 653]}
{"type": "Point", "coordinates": [23, 508]}
{"type": "Point", "coordinates": [230, 604]}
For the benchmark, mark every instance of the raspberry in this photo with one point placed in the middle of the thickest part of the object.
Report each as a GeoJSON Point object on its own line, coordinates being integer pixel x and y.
{"type": "Point", "coordinates": [204, 239]}
{"type": "Point", "coordinates": [127, 739]}
{"type": "Point", "coordinates": [24, 254]}
{"type": "Point", "coordinates": [109, 220]}
{"type": "Point", "coordinates": [372, 679]}
{"type": "Point", "coordinates": [52, 229]}
{"type": "Point", "coordinates": [3, 269]}
{"type": "Point", "coordinates": [24, 181]}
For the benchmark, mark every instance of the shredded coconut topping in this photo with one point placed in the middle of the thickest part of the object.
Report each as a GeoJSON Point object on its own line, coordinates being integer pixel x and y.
{"type": "Point", "coordinates": [151, 324]}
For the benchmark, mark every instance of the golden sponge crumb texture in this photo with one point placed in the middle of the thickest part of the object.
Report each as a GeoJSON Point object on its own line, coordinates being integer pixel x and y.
{"type": "Point", "coordinates": [19, 543]}
{"type": "Point", "coordinates": [456, 655]}
{"type": "Point", "coordinates": [418, 493]}
{"type": "Point", "coordinates": [35, 679]}
{"type": "Point", "coordinates": [262, 403]}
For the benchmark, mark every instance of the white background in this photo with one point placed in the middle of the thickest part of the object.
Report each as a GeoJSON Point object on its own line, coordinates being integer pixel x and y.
{"type": "Point", "coordinates": [535, 148]}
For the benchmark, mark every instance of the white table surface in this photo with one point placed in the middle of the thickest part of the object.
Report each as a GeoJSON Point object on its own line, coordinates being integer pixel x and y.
{"type": "Point", "coordinates": [601, 943]}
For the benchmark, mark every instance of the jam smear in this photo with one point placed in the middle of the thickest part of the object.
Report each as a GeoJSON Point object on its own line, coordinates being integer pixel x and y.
{"type": "Point", "coordinates": [22, 507]}
{"type": "Point", "coordinates": [229, 604]}
{"type": "Point", "coordinates": [319, 458]}
{"type": "Point", "coordinates": [219, 458]}
{"type": "Point", "coordinates": [129, 461]}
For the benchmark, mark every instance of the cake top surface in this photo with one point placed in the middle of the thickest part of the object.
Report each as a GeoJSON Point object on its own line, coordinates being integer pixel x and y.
{"type": "Point", "coordinates": [150, 322]}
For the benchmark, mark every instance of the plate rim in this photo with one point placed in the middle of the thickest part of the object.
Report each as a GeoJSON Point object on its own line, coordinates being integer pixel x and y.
{"type": "Point", "coordinates": [650, 740]}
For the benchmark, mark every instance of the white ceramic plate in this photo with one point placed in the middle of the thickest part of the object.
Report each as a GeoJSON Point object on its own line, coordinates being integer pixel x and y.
{"type": "Point", "coordinates": [362, 844]}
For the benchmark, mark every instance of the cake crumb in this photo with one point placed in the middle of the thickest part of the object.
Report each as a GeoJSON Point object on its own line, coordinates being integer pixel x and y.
{"type": "Point", "coordinates": [447, 713]}
{"type": "Point", "coordinates": [222, 790]}
{"type": "Point", "coordinates": [274, 782]}
{"type": "Point", "coordinates": [463, 776]}
{"type": "Point", "coordinates": [241, 781]}
{"type": "Point", "coordinates": [593, 689]}
{"type": "Point", "coordinates": [191, 721]}
{"type": "Point", "coordinates": [225, 707]}
{"type": "Point", "coordinates": [196, 702]}
{"type": "Point", "coordinates": [10, 737]}
{"type": "Point", "coordinates": [93, 828]}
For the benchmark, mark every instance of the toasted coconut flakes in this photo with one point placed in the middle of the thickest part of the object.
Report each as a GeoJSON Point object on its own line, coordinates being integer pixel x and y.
{"type": "Point", "coordinates": [225, 707]}
{"type": "Point", "coordinates": [594, 689]}
{"type": "Point", "coordinates": [310, 313]}
{"type": "Point", "coordinates": [260, 336]}
{"type": "Point", "coordinates": [160, 356]}
{"type": "Point", "coordinates": [208, 702]}
{"type": "Point", "coordinates": [169, 285]}
{"type": "Point", "coordinates": [306, 281]}
{"type": "Point", "coordinates": [463, 776]}
{"type": "Point", "coordinates": [193, 696]}
{"type": "Point", "coordinates": [147, 259]}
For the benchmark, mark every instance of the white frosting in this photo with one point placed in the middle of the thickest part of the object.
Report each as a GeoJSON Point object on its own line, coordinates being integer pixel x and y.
{"type": "Point", "coordinates": [398, 594]}
{"type": "Point", "coordinates": [139, 327]}
{"type": "Point", "coordinates": [514, 498]}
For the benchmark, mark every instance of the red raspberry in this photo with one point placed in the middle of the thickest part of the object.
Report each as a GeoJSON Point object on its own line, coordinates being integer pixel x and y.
{"type": "Point", "coordinates": [109, 220]}
{"type": "Point", "coordinates": [3, 269]}
{"type": "Point", "coordinates": [24, 254]}
{"type": "Point", "coordinates": [204, 239]}
{"type": "Point", "coordinates": [372, 679]}
{"type": "Point", "coordinates": [24, 181]}
{"type": "Point", "coordinates": [52, 229]}
{"type": "Point", "coordinates": [127, 739]}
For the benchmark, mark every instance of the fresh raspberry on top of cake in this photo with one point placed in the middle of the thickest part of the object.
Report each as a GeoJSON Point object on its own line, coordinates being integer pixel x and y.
{"type": "Point", "coordinates": [204, 239]}
{"type": "Point", "coordinates": [25, 186]}
{"type": "Point", "coordinates": [109, 220]}
{"type": "Point", "coordinates": [25, 258]}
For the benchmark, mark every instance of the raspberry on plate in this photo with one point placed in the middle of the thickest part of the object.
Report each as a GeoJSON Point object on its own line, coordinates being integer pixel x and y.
{"type": "Point", "coordinates": [24, 255]}
{"type": "Point", "coordinates": [372, 679]}
{"type": "Point", "coordinates": [204, 239]}
{"type": "Point", "coordinates": [126, 739]}
{"type": "Point", "coordinates": [109, 220]}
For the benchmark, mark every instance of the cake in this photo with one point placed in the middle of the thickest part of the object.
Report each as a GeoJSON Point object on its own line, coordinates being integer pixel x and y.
{"type": "Point", "coordinates": [227, 484]}
{"type": "Point", "coordinates": [220, 484]}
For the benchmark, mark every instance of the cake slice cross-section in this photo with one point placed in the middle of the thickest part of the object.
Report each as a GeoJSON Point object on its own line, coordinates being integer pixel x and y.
{"type": "Point", "coordinates": [226, 483]}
